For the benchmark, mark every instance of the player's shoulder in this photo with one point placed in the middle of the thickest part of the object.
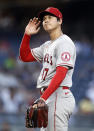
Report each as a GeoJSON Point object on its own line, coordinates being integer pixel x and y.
{"type": "Point", "coordinates": [45, 44]}
{"type": "Point", "coordinates": [67, 39]}
{"type": "Point", "coordinates": [65, 42]}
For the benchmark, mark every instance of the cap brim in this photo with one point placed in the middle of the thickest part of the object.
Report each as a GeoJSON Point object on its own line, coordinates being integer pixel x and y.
{"type": "Point", "coordinates": [43, 13]}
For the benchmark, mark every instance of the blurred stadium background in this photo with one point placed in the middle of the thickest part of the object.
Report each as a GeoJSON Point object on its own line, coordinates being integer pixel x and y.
{"type": "Point", "coordinates": [18, 79]}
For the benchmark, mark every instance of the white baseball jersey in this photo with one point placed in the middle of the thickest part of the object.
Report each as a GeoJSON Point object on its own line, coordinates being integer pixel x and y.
{"type": "Point", "coordinates": [61, 52]}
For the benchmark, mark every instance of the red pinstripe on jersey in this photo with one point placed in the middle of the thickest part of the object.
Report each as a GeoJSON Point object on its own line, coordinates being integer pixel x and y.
{"type": "Point", "coordinates": [55, 113]}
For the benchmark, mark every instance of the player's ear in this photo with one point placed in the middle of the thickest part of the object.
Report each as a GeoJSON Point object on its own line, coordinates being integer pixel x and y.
{"type": "Point", "coordinates": [60, 21]}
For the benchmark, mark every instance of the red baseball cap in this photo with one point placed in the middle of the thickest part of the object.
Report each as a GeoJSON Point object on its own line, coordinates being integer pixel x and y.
{"type": "Point", "coordinates": [51, 11]}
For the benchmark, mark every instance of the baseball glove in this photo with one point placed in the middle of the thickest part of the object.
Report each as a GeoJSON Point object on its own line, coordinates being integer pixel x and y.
{"type": "Point", "coordinates": [37, 115]}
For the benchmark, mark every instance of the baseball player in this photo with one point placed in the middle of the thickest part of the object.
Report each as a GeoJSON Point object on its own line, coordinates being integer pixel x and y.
{"type": "Point", "coordinates": [58, 57]}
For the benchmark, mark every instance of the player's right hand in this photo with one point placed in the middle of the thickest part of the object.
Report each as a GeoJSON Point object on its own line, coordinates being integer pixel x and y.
{"type": "Point", "coordinates": [32, 27]}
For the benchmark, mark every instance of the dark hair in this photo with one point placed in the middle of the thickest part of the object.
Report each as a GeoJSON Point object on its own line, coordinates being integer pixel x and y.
{"type": "Point", "coordinates": [58, 19]}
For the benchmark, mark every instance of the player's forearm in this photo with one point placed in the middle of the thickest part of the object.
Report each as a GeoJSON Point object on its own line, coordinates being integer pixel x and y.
{"type": "Point", "coordinates": [25, 51]}
{"type": "Point", "coordinates": [55, 82]}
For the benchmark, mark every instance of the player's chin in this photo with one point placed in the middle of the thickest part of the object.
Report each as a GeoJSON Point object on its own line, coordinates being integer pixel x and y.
{"type": "Point", "coordinates": [47, 29]}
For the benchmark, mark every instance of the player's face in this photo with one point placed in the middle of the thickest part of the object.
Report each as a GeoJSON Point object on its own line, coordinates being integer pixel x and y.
{"type": "Point", "coordinates": [50, 23]}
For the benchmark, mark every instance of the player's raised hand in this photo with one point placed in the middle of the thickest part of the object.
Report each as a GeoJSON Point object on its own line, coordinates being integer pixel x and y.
{"type": "Point", "coordinates": [32, 27]}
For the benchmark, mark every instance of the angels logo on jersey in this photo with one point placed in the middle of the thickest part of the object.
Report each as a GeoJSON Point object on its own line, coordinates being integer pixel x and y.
{"type": "Point", "coordinates": [65, 56]}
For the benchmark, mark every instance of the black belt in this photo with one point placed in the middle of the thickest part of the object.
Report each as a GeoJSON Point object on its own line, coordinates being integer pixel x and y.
{"type": "Point", "coordinates": [45, 87]}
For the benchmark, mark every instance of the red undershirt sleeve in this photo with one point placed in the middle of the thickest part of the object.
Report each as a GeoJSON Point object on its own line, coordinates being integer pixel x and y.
{"type": "Point", "coordinates": [25, 51]}
{"type": "Point", "coordinates": [55, 82]}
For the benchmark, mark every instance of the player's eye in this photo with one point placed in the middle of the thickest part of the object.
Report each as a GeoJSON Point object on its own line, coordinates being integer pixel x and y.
{"type": "Point", "coordinates": [49, 16]}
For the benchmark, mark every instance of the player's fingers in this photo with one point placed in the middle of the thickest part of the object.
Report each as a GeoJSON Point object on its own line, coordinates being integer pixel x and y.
{"type": "Point", "coordinates": [38, 24]}
{"type": "Point", "coordinates": [30, 20]}
{"type": "Point", "coordinates": [38, 29]}
{"type": "Point", "coordinates": [35, 20]}
{"type": "Point", "coordinates": [41, 104]}
{"type": "Point", "coordinates": [35, 106]}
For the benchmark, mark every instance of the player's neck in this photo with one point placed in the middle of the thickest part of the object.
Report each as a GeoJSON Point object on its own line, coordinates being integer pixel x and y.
{"type": "Point", "coordinates": [55, 34]}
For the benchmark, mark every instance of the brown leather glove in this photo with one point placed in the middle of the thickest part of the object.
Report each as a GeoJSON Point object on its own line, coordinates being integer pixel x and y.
{"type": "Point", "coordinates": [37, 115]}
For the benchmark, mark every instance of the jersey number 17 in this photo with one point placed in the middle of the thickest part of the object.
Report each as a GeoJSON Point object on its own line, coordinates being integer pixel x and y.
{"type": "Point", "coordinates": [45, 71]}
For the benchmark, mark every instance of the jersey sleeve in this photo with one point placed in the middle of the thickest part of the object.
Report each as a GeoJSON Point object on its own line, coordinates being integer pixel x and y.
{"type": "Point", "coordinates": [38, 53]}
{"type": "Point", "coordinates": [65, 55]}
